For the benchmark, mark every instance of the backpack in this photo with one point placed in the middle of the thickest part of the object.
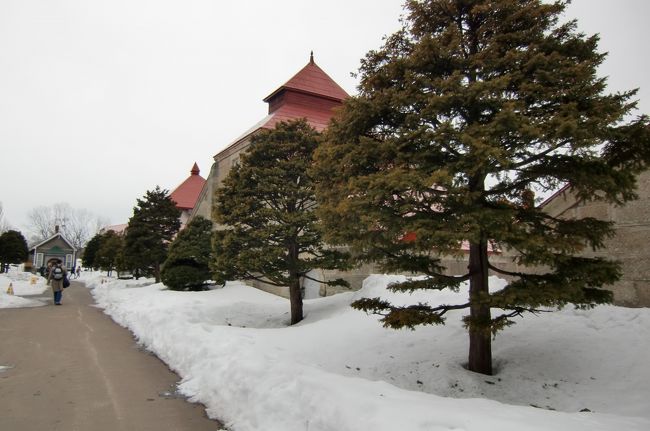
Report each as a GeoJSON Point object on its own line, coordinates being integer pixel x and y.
{"type": "Point", "coordinates": [57, 273]}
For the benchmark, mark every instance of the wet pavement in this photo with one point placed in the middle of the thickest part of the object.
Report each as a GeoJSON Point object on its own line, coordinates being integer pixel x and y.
{"type": "Point", "coordinates": [70, 367]}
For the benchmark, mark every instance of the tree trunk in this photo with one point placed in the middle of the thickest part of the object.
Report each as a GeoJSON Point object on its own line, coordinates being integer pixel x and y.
{"type": "Point", "coordinates": [295, 291]}
{"type": "Point", "coordinates": [156, 272]}
{"type": "Point", "coordinates": [295, 296]}
{"type": "Point", "coordinates": [480, 341]}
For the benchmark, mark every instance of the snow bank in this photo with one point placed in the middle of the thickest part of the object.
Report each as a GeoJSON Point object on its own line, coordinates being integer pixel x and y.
{"type": "Point", "coordinates": [13, 301]}
{"type": "Point", "coordinates": [340, 370]}
{"type": "Point", "coordinates": [23, 284]}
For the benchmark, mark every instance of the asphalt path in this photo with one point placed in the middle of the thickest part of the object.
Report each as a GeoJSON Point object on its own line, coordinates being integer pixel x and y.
{"type": "Point", "coordinates": [70, 367]}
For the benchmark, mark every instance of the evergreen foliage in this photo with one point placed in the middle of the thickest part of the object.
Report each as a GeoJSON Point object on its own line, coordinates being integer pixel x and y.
{"type": "Point", "coordinates": [152, 227]}
{"type": "Point", "coordinates": [110, 254]}
{"type": "Point", "coordinates": [459, 117]}
{"type": "Point", "coordinates": [188, 265]}
{"type": "Point", "coordinates": [267, 203]}
{"type": "Point", "coordinates": [90, 252]}
{"type": "Point", "coordinates": [13, 248]}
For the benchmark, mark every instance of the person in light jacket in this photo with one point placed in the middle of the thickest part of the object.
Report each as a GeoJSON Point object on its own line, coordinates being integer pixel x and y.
{"type": "Point", "coordinates": [56, 276]}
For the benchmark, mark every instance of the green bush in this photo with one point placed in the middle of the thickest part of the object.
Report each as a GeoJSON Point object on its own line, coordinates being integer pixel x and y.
{"type": "Point", "coordinates": [185, 274]}
{"type": "Point", "coordinates": [187, 265]}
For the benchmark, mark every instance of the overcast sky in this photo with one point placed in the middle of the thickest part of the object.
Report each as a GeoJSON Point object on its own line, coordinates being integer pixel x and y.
{"type": "Point", "coordinates": [101, 101]}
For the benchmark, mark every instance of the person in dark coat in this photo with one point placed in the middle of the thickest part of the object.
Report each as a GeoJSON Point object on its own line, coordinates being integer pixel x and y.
{"type": "Point", "coordinates": [56, 276]}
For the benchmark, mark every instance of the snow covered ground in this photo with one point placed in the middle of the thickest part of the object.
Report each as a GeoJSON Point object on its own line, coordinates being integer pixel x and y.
{"type": "Point", "coordinates": [341, 370]}
{"type": "Point", "coordinates": [24, 286]}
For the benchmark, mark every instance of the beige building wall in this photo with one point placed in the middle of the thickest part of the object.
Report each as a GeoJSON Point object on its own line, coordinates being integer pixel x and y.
{"type": "Point", "coordinates": [630, 245]}
{"type": "Point", "coordinates": [223, 162]}
{"type": "Point", "coordinates": [203, 205]}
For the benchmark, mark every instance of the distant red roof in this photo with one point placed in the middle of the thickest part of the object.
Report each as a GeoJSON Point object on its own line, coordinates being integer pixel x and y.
{"type": "Point", "coordinates": [187, 193]}
{"type": "Point", "coordinates": [117, 228]}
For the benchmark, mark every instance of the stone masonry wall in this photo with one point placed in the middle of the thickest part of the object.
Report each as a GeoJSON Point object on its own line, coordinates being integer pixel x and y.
{"type": "Point", "coordinates": [630, 245]}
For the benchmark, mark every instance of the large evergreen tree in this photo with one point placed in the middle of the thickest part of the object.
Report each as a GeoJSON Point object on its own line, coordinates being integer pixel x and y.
{"type": "Point", "coordinates": [152, 227]}
{"type": "Point", "coordinates": [188, 264]}
{"type": "Point", "coordinates": [267, 205]}
{"type": "Point", "coordinates": [460, 116]}
{"type": "Point", "coordinates": [13, 248]}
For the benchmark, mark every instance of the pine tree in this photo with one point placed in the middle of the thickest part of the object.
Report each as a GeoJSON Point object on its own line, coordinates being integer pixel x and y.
{"type": "Point", "coordinates": [267, 204]}
{"type": "Point", "coordinates": [13, 248]}
{"type": "Point", "coordinates": [188, 265]}
{"type": "Point", "coordinates": [152, 227]}
{"type": "Point", "coordinates": [459, 117]}
{"type": "Point", "coordinates": [110, 252]}
{"type": "Point", "coordinates": [90, 252]}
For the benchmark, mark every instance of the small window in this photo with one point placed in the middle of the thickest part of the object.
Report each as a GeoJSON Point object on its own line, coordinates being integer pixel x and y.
{"type": "Point", "coordinates": [39, 260]}
{"type": "Point", "coordinates": [68, 261]}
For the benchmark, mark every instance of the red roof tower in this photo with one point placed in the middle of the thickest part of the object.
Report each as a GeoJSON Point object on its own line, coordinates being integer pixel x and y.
{"type": "Point", "coordinates": [310, 94]}
{"type": "Point", "coordinates": [187, 193]}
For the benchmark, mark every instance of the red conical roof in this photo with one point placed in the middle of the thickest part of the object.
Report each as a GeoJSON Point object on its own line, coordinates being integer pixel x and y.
{"type": "Point", "coordinates": [311, 79]}
{"type": "Point", "coordinates": [309, 94]}
{"type": "Point", "coordinates": [187, 193]}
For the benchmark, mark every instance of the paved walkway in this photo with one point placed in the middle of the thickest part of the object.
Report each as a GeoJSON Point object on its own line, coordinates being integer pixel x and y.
{"type": "Point", "coordinates": [73, 368]}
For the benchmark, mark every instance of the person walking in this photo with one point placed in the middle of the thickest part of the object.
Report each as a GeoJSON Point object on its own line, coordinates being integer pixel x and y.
{"type": "Point", "coordinates": [57, 274]}
{"type": "Point", "coordinates": [78, 272]}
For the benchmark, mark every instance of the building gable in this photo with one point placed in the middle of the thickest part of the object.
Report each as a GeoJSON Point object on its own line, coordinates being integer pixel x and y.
{"type": "Point", "coordinates": [56, 240]}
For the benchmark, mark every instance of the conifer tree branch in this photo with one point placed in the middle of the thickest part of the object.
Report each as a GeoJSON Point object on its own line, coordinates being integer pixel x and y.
{"type": "Point", "coordinates": [312, 279]}
{"type": "Point", "coordinates": [504, 272]}
{"type": "Point", "coordinates": [537, 157]}
{"type": "Point", "coordinates": [337, 282]}
{"type": "Point", "coordinates": [248, 276]}
{"type": "Point", "coordinates": [518, 312]}
{"type": "Point", "coordinates": [427, 271]}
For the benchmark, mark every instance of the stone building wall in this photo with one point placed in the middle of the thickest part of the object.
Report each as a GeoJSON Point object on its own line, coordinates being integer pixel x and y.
{"type": "Point", "coordinates": [630, 245]}
{"type": "Point", "coordinates": [223, 162]}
